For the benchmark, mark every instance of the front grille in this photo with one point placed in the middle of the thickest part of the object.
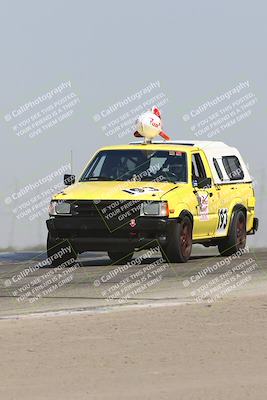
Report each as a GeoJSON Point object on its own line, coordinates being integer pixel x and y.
{"type": "Point", "coordinates": [113, 212]}
{"type": "Point", "coordinates": [84, 208]}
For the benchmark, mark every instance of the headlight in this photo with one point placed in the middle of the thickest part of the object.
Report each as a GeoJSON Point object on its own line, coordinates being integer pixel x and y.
{"type": "Point", "coordinates": [58, 208]}
{"type": "Point", "coordinates": [155, 208]}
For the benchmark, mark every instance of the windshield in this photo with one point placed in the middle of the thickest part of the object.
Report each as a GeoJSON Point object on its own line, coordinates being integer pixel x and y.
{"type": "Point", "coordinates": [137, 165]}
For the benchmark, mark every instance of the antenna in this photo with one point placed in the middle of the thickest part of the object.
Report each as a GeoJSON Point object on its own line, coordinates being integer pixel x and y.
{"type": "Point", "coordinates": [71, 162]}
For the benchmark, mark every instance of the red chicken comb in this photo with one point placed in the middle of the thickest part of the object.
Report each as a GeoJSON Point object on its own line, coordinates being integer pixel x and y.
{"type": "Point", "coordinates": [156, 111]}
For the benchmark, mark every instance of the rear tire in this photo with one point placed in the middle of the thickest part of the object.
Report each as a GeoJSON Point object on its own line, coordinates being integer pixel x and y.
{"type": "Point", "coordinates": [236, 239]}
{"type": "Point", "coordinates": [179, 247]}
{"type": "Point", "coordinates": [55, 247]}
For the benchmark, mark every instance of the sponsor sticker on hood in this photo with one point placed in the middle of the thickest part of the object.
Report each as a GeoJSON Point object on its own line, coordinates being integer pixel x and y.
{"type": "Point", "coordinates": [142, 190]}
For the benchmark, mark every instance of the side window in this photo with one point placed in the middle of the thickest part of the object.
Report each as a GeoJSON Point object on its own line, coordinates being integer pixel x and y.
{"type": "Point", "coordinates": [233, 168]}
{"type": "Point", "coordinates": [198, 170]}
{"type": "Point", "coordinates": [218, 169]}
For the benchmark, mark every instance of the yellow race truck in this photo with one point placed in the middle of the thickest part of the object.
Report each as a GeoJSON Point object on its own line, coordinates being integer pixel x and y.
{"type": "Point", "coordinates": [177, 193]}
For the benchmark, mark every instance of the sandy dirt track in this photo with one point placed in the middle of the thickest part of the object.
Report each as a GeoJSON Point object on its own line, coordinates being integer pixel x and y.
{"type": "Point", "coordinates": [182, 352]}
{"type": "Point", "coordinates": [162, 345]}
{"type": "Point", "coordinates": [178, 283]}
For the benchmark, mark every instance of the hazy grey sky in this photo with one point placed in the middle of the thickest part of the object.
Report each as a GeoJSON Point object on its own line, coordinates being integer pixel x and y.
{"type": "Point", "coordinates": [110, 50]}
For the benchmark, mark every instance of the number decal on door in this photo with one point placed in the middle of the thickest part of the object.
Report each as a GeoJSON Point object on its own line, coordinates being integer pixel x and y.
{"type": "Point", "coordinates": [223, 220]}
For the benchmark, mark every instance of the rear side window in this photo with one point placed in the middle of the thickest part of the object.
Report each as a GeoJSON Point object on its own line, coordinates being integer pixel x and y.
{"type": "Point", "coordinates": [218, 169]}
{"type": "Point", "coordinates": [233, 168]}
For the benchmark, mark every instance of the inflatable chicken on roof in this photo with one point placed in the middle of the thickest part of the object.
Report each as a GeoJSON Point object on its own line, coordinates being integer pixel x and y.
{"type": "Point", "coordinates": [149, 125]}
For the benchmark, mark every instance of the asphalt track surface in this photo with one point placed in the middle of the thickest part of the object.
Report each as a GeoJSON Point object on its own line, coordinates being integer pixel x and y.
{"type": "Point", "coordinates": [94, 285]}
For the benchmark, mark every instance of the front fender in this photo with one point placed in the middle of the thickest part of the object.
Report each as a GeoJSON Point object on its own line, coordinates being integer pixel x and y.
{"type": "Point", "coordinates": [178, 209]}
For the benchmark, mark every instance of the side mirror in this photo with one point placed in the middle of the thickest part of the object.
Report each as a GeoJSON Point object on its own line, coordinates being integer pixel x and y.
{"type": "Point", "coordinates": [202, 183]}
{"type": "Point", "coordinates": [69, 179]}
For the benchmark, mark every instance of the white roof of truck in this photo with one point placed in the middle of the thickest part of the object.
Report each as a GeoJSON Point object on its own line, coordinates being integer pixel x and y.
{"type": "Point", "coordinates": [196, 143]}
{"type": "Point", "coordinates": [212, 149]}
{"type": "Point", "coordinates": [203, 144]}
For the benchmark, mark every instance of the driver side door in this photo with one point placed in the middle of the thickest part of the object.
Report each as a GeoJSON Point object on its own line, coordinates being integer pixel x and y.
{"type": "Point", "coordinates": [205, 197]}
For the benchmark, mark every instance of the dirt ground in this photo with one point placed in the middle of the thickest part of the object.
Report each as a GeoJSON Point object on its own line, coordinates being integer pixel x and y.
{"type": "Point", "coordinates": [180, 352]}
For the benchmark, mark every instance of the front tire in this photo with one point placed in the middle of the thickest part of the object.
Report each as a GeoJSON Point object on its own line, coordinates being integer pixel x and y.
{"type": "Point", "coordinates": [236, 239]}
{"type": "Point", "coordinates": [179, 247]}
{"type": "Point", "coordinates": [56, 247]}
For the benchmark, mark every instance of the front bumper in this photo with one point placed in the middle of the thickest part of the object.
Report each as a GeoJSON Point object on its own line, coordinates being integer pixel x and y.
{"type": "Point", "coordinates": [88, 233]}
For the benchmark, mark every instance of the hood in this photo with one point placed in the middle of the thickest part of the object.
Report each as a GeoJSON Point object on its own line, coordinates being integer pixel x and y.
{"type": "Point", "coordinates": [115, 190]}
